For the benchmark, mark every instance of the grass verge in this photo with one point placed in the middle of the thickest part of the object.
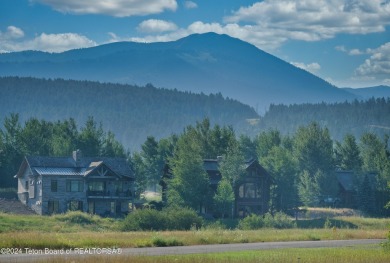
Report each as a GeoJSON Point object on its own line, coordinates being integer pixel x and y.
{"type": "Point", "coordinates": [358, 254]}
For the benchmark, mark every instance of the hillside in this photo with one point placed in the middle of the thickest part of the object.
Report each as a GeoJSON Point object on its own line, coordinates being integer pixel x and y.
{"type": "Point", "coordinates": [356, 117]}
{"type": "Point", "coordinates": [371, 92]}
{"type": "Point", "coordinates": [131, 112]}
{"type": "Point", "coordinates": [208, 63]}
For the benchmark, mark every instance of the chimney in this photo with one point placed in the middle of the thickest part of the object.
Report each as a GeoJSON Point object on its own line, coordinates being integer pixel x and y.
{"type": "Point", "coordinates": [76, 156]}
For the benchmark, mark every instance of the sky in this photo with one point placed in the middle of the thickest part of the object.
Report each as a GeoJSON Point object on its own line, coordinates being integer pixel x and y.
{"type": "Point", "coordinates": [345, 42]}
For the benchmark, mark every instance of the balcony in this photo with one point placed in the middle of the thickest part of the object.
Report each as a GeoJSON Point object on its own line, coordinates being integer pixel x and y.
{"type": "Point", "coordinates": [109, 194]}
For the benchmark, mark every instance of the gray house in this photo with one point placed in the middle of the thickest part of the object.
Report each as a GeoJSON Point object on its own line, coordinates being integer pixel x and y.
{"type": "Point", "coordinates": [96, 185]}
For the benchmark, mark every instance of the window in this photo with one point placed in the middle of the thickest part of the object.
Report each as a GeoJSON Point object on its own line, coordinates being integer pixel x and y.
{"type": "Point", "coordinates": [118, 186]}
{"type": "Point", "coordinates": [112, 207]}
{"type": "Point", "coordinates": [31, 190]}
{"type": "Point", "coordinates": [91, 207]}
{"type": "Point", "coordinates": [53, 206]}
{"type": "Point", "coordinates": [74, 186]}
{"type": "Point", "coordinates": [75, 205]}
{"type": "Point", "coordinates": [54, 185]}
{"type": "Point", "coordinates": [26, 185]}
{"type": "Point", "coordinates": [96, 186]}
{"type": "Point", "coordinates": [248, 190]}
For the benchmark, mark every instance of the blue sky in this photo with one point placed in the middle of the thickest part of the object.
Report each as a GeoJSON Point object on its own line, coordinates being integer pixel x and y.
{"type": "Point", "coordinates": [346, 42]}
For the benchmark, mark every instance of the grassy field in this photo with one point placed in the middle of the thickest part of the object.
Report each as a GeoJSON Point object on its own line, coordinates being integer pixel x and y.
{"type": "Point", "coordinates": [358, 254]}
{"type": "Point", "coordinates": [74, 230]}
{"type": "Point", "coordinates": [81, 230]}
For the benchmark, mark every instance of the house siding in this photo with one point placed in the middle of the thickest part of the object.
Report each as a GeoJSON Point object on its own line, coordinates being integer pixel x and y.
{"type": "Point", "coordinates": [39, 195]}
{"type": "Point", "coordinates": [61, 195]}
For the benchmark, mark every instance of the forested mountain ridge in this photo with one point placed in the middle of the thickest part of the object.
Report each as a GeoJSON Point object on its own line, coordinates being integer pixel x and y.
{"type": "Point", "coordinates": [355, 117]}
{"type": "Point", "coordinates": [132, 113]}
{"type": "Point", "coordinates": [371, 92]}
{"type": "Point", "coordinates": [208, 63]}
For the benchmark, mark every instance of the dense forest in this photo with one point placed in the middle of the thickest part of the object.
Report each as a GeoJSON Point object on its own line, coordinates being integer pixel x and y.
{"type": "Point", "coordinates": [355, 117]}
{"type": "Point", "coordinates": [130, 112]}
{"type": "Point", "coordinates": [303, 165]}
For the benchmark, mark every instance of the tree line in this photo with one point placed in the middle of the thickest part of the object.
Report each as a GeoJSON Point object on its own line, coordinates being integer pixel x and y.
{"type": "Point", "coordinates": [45, 138]}
{"type": "Point", "coordinates": [355, 117]}
{"type": "Point", "coordinates": [303, 165]}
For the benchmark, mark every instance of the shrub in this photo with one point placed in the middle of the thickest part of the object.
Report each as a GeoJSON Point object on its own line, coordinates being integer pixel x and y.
{"type": "Point", "coordinates": [145, 219]}
{"type": "Point", "coordinates": [251, 222]}
{"type": "Point", "coordinates": [168, 219]}
{"type": "Point", "coordinates": [77, 217]}
{"type": "Point", "coordinates": [278, 220]}
{"type": "Point", "coordinates": [182, 219]}
{"type": "Point", "coordinates": [166, 242]}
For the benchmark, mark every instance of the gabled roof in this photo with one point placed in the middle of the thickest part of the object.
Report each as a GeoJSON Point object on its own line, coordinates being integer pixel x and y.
{"type": "Point", "coordinates": [43, 165]}
{"type": "Point", "coordinates": [345, 178]}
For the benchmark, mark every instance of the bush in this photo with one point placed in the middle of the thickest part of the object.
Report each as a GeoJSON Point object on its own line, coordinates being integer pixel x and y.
{"type": "Point", "coordinates": [278, 220]}
{"type": "Point", "coordinates": [182, 219]}
{"type": "Point", "coordinates": [145, 219]}
{"type": "Point", "coordinates": [169, 242]}
{"type": "Point", "coordinates": [251, 222]}
{"type": "Point", "coordinates": [168, 219]}
{"type": "Point", "coordinates": [77, 217]}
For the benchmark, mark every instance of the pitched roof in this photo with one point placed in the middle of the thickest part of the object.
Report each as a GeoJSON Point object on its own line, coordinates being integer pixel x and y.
{"type": "Point", "coordinates": [44, 165]}
{"type": "Point", "coordinates": [345, 179]}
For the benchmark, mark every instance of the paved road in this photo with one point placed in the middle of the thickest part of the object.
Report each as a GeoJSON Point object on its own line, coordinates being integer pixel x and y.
{"type": "Point", "coordinates": [200, 249]}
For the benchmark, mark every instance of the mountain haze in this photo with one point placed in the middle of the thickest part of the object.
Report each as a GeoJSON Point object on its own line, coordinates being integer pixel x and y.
{"type": "Point", "coordinates": [208, 63]}
{"type": "Point", "coordinates": [132, 113]}
{"type": "Point", "coordinates": [371, 92]}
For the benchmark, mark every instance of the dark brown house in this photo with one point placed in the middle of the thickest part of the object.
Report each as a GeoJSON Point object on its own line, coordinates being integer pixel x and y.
{"type": "Point", "coordinates": [252, 192]}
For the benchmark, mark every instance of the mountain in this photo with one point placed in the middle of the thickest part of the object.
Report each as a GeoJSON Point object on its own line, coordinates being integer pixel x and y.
{"type": "Point", "coordinates": [208, 63]}
{"type": "Point", "coordinates": [132, 113]}
{"type": "Point", "coordinates": [371, 92]}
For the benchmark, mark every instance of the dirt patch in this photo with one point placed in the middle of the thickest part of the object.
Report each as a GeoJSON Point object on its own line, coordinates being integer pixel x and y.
{"type": "Point", "coordinates": [14, 207]}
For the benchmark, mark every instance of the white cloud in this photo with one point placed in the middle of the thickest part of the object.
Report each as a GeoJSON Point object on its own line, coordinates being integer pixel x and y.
{"type": "Point", "coordinates": [60, 42]}
{"type": "Point", "coordinates": [264, 40]}
{"type": "Point", "coordinates": [42, 42]}
{"type": "Point", "coordinates": [190, 5]}
{"type": "Point", "coordinates": [268, 24]}
{"type": "Point", "coordinates": [312, 67]}
{"type": "Point", "coordinates": [117, 8]}
{"type": "Point", "coordinates": [377, 66]}
{"type": "Point", "coordinates": [313, 20]}
{"type": "Point", "coordinates": [12, 32]}
{"type": "Point", "coordinates": [355, 52]}
{"type": "Point", "coordinates": [156, 26]}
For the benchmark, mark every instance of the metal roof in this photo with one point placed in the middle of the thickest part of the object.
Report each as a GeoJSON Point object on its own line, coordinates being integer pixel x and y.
{"type": "Point", "coordinates": [59, 171]}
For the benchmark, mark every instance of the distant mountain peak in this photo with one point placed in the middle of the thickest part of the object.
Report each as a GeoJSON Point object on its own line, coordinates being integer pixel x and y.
{"type": "Point", "coordinates": [208, 63]}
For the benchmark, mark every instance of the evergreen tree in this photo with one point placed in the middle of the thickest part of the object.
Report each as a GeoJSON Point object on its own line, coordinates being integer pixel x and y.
{"type": "Point", "coordinates": [65, 138]}
{"type": "Point", "coordinates": [348, 154]}
{"type": "Point", "coordinates": [283, 169]}
{"type": "Point", "coordinates": [13, 150]}
{"type": "Point", "coordinates": [190, 183]}
{"type": "Point", "coordinates": [265, 141]}
{"type": "Point", "coordinates": [152, 161]}
{"type": "Point", "coordinates": [313, 150]}
{"type": "Point", "coordinates": [111, 147]}
{"type": "Point", "coordinates": [91, 138]}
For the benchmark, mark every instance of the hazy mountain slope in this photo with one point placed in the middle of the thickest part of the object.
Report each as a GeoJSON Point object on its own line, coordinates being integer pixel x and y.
{"type": "Point", "coordinates": [369, 92]}
{"type": "Point", "coordinates": [131, 112]}
{"type": "Point", "coordinates": [208, 63]}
